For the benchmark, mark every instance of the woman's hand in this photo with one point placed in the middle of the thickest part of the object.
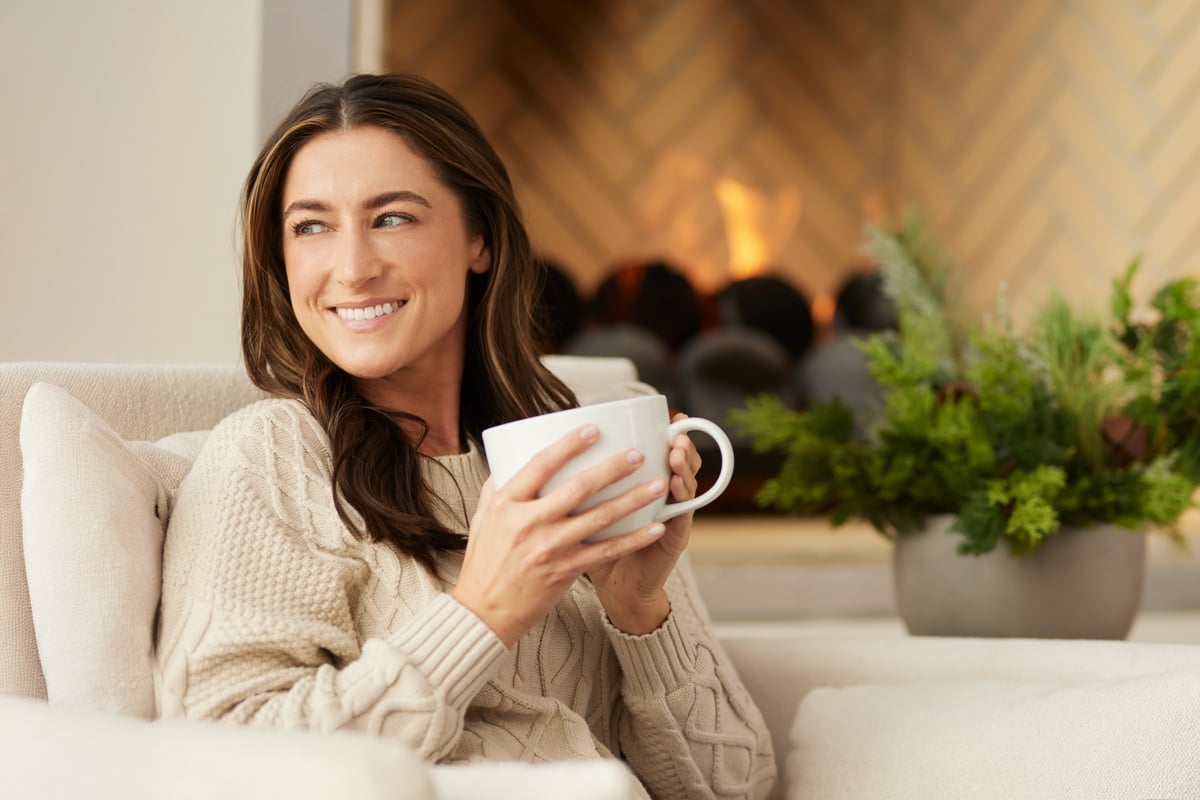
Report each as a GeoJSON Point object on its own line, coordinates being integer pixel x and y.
{"type": "Point", "coordinates": [524, 552]}
{"type": "Point", "coordinates": [631, 588]}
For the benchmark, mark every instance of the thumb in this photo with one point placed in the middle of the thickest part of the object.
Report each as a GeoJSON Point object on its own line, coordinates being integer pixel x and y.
{"type": "Point", "coordinates": [486, 493]}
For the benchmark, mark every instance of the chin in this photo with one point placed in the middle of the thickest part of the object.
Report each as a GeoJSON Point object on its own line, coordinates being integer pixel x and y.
{"type": "Point", "coordinates": [364, 360]}
{"type": "Point", "coordinates": [368, 371]}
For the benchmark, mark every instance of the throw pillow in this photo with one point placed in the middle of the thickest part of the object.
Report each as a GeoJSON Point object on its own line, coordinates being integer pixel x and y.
{"type": "Point", "coordinates": [93, 511]}
{"type": "Point", "coordinates": [1133, 737]}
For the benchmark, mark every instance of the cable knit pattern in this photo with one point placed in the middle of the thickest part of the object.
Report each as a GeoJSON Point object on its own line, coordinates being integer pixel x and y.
{"type": "Point", "coordinates": [274, 614]}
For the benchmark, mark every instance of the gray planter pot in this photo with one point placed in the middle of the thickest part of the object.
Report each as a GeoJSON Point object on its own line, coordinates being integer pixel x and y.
{"type": "Point", "coordinates": [1081, 583]}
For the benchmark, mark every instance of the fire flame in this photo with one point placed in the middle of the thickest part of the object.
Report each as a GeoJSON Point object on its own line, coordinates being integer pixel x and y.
{"type": "Point", "coordinates": [756, 226]}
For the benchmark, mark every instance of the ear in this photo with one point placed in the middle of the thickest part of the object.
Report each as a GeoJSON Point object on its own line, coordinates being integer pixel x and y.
{"type": "Point", "coordinates": [482, 260]}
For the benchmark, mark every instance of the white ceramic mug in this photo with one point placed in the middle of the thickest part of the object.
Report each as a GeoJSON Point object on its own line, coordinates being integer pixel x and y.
{"type": "Point", "coordinates": [639, 422]}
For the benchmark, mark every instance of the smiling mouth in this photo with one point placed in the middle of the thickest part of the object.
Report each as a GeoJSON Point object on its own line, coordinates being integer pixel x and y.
{"type": "Point", "coordinates": [370, 312]}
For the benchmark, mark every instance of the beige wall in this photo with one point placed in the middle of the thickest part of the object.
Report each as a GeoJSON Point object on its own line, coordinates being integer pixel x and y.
{"type": "Point", "coordinates": [129, 124]}
{"type": "Point", "coordinates": [129, 127]}
{"type": "Point", "coordinates": [1047, 141]}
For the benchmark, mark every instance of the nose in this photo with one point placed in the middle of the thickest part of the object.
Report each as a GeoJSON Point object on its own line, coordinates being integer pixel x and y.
{"type": "Point", "coordinates": [356, 262]}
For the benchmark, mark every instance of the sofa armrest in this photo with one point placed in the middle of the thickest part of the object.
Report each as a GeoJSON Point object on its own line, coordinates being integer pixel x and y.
{"type": "Point", "coordinates": [780, 666]}
{"type": "Point", "coordinates": [999, 739]}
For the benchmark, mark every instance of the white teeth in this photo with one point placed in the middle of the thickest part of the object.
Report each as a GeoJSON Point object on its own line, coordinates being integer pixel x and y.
{"type": "Point", "coordinates": [371, 312]}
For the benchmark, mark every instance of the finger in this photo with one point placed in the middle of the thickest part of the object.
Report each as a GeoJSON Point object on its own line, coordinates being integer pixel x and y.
{"type": "Point", "coordinates": [684, 461]}
{"type": "Point", "coordinates": [593, 554]}
{"type": "Point", "coordinates": [688, 476]}
{"type": "Point", "coordinates": [530, 479]}
{"type": "Point", "coordinates": [683, 480]}
{"type": "Point", "coordinates": [610, 512]}
{"type": "Point", "coordinates": [684, 442]}
{"type": "Point", "coordinates": [583, 486]}
{"type": "Point", "coordinates": [678, 458]}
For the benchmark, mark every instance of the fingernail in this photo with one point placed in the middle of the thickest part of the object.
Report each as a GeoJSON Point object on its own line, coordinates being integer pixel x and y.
{"type": "Point", "coordinates": [588, 432]}
{"type": "Point", "coordinates": [657, 529]}
{"type": "Point", "coordinates": [634, 456]}
{"type": "Point", "coordinates": [657, 486]}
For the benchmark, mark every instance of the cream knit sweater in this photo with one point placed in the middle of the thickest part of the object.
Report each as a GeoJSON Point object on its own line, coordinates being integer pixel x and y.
{"type": "Point", "coordinates": [274, 614]}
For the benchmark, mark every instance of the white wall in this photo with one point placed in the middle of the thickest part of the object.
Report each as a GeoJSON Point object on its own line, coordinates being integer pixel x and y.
{"type": "Point", "coordinates": [128, 128]}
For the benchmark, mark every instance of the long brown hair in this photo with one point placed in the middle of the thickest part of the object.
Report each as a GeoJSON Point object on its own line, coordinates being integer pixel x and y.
{"type": "Point", "coordinates": [503, 379]}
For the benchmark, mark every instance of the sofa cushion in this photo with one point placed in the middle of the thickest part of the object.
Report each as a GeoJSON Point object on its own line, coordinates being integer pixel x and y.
{"type": "Point", "coordinates": [93, 510]}
{"type": "Point", "coordinates": [595, 779]}
{"type": "Point", "coordinates": [1130, 737]}
{"type": "Point", "coordinates": [53, 751]}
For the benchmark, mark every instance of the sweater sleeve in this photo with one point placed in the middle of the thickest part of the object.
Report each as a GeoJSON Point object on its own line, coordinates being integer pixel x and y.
{"type": "Point", "coordinates": [262, 584]}
{"type": "Point", "coordinates": [687, 725]}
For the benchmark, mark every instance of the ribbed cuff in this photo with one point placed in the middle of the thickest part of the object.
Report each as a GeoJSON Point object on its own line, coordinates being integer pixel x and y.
{"type": "Point", "coordinates": [656, 663]}
{"type": "Point", "coordinates": [452, 647]}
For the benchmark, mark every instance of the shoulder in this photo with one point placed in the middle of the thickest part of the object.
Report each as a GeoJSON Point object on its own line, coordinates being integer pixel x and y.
{"type": "Point", "coordinates": [277, 440]}
{"type": "Point", "coordinates": [267, 416]}
{"type": "Point", "coordinates": [271, 454]}
{"type": "Point", "coordinates": [269, 429]}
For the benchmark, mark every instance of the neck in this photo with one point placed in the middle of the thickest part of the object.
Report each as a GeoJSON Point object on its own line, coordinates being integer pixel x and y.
{"type": "Point", "coordinates": [433, 399]}
{"type": "Point", "coordinates": [447, 441]}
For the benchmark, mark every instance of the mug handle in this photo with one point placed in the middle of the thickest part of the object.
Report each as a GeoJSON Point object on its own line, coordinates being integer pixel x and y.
{"type": "Point", "coordinates": [726, 475]}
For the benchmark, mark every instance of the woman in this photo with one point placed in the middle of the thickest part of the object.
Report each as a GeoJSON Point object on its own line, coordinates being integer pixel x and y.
{"type": "Point", "coordinates": [316, 574]}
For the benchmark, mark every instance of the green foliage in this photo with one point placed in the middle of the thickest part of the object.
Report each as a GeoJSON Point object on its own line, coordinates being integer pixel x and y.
{"type": "Point", "coordinates": [919, 277]}
{"type": "Point", "coordinates": [1162, 359]}
{"type": "Point", "coordinates": [1077, 421]}
{"type": "Point", "coordinates": [1074, 356]}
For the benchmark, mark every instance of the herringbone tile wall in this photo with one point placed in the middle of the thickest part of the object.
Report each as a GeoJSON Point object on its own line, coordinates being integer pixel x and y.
{"type": "Point", "coordinates": [1047, 140]}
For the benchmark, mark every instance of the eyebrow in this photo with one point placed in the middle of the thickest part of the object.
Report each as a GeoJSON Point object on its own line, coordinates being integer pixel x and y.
{"type": "Point", "coordinates": [378, 201]}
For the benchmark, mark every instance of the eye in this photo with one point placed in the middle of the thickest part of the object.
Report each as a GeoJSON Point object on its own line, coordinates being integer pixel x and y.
{"type": "Point", "coordinates": [392, 219]}
{"type": "Point", "coordinates": [307, 227]}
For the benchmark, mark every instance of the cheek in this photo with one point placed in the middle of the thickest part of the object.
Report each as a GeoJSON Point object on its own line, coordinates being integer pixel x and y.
{"type": "Point", "coordinates": [436, 264]}
{"type": "Point", "coordinates": [302, 278]}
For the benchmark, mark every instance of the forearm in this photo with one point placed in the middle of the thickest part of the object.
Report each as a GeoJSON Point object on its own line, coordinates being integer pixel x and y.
{"type": "Point", "coordinates": [688, 726]}
{"type": "Point", "coordinates": [701, 740]}
{"type": "Point", "coordinates": [413, 685]}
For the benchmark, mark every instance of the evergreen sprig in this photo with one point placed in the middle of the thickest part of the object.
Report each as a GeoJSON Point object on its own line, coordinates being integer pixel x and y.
{"type": "Point", "coordinates": [1076, 422]}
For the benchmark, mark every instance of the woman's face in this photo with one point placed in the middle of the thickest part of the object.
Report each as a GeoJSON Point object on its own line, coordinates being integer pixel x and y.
{"type": "Point", "coordinates": [377, 257]}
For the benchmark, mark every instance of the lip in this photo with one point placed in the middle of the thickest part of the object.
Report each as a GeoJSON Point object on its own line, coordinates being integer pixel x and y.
{"type": "Point", "coordinates": [366, 303]}
{"type": "Point", "coordinates": [366, 325]}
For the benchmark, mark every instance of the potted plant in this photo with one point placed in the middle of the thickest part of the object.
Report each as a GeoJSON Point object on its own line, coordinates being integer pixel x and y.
{"type": "Point", "coordinates": [1011, 468]}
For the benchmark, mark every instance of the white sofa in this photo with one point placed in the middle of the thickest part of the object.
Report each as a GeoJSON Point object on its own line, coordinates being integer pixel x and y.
{"type": "Point", "coordinates": [916, 717]}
